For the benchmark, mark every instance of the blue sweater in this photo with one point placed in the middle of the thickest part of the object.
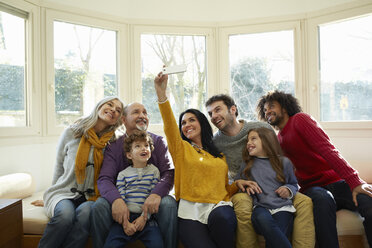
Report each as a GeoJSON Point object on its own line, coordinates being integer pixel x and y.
{"type": "Point", "coordinates": [263, 173]}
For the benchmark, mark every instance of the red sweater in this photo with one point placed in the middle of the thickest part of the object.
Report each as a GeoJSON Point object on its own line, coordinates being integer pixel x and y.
{"type": "Point", "coordinates": [317, 161]}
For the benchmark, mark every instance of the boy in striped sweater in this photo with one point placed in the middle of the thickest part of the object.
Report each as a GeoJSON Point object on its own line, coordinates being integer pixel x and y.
{"type": "Point", "coordinates": [135, 184]}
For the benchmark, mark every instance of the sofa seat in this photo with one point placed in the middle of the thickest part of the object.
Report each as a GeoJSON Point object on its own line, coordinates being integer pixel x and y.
{"type": "Point", "coordinates": [20, 185]}
{"type": "Point", "coordinates": [34, 218]}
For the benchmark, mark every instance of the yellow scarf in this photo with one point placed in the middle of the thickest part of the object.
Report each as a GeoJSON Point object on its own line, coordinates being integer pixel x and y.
{"type": "Point", "coordinates": [82, 155]}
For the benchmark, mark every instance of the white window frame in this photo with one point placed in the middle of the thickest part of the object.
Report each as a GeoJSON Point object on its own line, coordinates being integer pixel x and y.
{"type": "Point", "coordinates": [338, 128]}
{"type": "Point", "coordinates": [121, 46]}
{"type": "Point", "coordinates": [295, 26]}
{"type": "Point", "coordinates": [135, 91]}
{"type": "Point", "coordinates": [32, 73]}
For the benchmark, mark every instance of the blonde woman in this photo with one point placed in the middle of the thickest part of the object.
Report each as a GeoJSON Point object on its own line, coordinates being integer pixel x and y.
{"type": "Point", "coordinates": [74, 185]}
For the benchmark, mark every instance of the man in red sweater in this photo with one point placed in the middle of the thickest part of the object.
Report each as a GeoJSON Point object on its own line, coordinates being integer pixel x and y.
{"type": "Point", "coordinates": [323, 174]}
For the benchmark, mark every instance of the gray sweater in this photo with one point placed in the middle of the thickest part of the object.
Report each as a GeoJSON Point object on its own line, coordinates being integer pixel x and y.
{"type": "Point", "coordinates": [64, 173]}
{"type": "Point", "coordinates": [263, 173]}
{"type": "Point", "coordinates": [232, 146]}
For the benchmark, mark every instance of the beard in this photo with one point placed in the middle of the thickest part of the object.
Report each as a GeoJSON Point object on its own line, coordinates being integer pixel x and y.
{"type": "Point", "coordinates": [276, 119]}
{"type": "Point", "coordinates": [141, 127]}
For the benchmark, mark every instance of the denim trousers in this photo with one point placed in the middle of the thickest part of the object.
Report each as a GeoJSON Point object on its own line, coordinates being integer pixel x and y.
{"type": "Point", "coordinates": [150, 235]}
{"type": "Point", "coordinates": [101, 220]}
{"type": "Point", "coordinates": [327, 200]}
{"type": "Point", "coordinates": [219, 232]}
{"type": "Point", "coordinates": [276, 228]}
{"type": "Point", "coordinates": [69, 227]}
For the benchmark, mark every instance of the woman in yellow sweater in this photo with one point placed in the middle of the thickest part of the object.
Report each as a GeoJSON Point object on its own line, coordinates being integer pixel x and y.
{"type": "Point", "coordinates": [205, 214]}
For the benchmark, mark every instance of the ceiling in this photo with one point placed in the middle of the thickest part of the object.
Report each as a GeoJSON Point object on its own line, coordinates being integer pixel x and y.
{"type": "Point", "coordinates": [202, 10]}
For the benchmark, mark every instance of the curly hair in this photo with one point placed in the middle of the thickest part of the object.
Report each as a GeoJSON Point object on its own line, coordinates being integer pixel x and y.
{"type": "Point", "coordinates": [286, 101]}
{"type": "Point", "coordinates": [137, 136]}
{"type": "Point", "coordinates": [272, 149]}
{"type": "Point", "coordinates": [227, 100]}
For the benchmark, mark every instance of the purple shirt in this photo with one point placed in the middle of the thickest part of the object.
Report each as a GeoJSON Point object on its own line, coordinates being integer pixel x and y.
{"type": "Point", "coordinates": [115, 161]}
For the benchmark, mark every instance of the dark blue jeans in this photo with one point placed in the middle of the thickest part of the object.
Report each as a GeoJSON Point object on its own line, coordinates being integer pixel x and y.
{"type": "Point", "coordinates": [101, 220]}
{"type": "Point", "coordinates": [219, 232]}
{"type": "Point", "coordinates": [275, 228]}
{"type": "Point", "coordinates": [327, 200]}
{"type": "Point", "coordinates": [150, 235]}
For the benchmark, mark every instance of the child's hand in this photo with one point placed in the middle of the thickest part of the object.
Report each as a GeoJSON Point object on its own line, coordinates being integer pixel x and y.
{"type": "Point", "coordinates": [140, 223]}
{"type": "Point", "coordinates": [251, 187]}
{"type": "Point", "coordinates": [283, 192]}
{"type": "Point", "coordinates": [130, 228]}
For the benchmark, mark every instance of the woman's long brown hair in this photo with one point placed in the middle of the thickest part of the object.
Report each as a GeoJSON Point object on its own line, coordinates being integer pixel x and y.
{"type": "Point", "coordinates": [271, 147]}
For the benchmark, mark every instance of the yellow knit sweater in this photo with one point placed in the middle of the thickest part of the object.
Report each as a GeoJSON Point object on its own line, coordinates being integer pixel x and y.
{"type": "Point", "coordinates": [199, 177]}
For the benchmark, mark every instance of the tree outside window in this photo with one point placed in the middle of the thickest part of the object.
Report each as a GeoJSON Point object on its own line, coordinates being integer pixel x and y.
{"type": "Point", "coordinates": [186, 90]}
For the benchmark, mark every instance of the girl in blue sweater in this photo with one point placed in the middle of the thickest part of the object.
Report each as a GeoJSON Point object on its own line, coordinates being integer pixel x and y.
{"type": "Point", "coordinates": [273, 210]}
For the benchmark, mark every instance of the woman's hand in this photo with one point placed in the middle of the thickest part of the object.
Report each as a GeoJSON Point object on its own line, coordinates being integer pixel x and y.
{"type": "Point", "coordinates": [250, 187]}
{"type": "Point", "coordinates": [160, 83]}
{"type": "Point", "coordinates": [38, 203]}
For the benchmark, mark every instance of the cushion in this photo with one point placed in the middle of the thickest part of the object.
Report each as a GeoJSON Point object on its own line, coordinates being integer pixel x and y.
{"type": "Point", "coordinates": [16, 185]}
{"type": "Point", "coordinates": [349, 223]}
{"type": "Point", "coordinates": [34, 218]}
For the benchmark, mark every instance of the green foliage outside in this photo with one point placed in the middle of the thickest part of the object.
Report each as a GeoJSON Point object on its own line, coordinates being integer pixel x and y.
{"type": "Point", "coordinates": [249, 82]}
{"type": "Point", "coordinates": [68, 88]}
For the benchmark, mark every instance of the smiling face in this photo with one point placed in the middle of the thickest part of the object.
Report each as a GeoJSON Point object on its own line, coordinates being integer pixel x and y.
{"type": "Point", "coordinates": [140, 153]}
{"type": "Point", "coordinates": [275, 115]}
{"type": "Point", "coordinates": [110, 112]}
{"type": "Point", "coordinates": [191, 128]}
{"type": "Point", "coordinates": [135, 118]}
{"type": "Point", "coordinates": [220, 115]}
{"type": "Point", "coordinates": [254, 145]}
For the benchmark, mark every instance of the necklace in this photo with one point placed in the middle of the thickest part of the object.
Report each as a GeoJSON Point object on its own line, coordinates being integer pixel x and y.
{"type": "Point", "coordinates": [199, 149]}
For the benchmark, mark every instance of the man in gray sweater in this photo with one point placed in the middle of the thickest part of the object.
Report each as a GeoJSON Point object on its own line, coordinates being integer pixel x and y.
{"type": "Point", "coordinates": [231, 139]}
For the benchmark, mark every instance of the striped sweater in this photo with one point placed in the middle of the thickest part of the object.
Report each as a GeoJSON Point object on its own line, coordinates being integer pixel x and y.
{"type": "Point", "coordinates": [135, 185]}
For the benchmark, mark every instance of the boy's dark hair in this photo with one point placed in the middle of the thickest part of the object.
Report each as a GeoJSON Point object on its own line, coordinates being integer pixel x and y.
{"type": "Point", "coordinates": [286, 101]}
{"type": "Point", "coordinates": [206, 132]}
{"type": "Point", "coordinates": [137, 136]}
{"type": "Point", "coordinates": [227, 100]}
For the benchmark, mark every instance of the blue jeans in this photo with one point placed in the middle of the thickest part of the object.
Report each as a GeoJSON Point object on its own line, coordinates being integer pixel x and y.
{"type": "Point", "coordinates": [275, 228]}
{"type": "Point", "coordinates": [150, 235]}
{"type": "Point", "coordinates": [69, 227]}
{"type": "Point", "coordinates": [219, 232]}
{"type": "Point", "coordinates": [101, 220]}
{"type": "Point", "coordinates": [327, 200]}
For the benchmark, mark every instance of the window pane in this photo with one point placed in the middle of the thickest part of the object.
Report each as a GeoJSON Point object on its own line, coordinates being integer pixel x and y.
{"type": "Point", "coordinates": [186, 90]}
{"type": "Point", "coordinates": [260, 63]}
{"type": "Point", "coordinates": [85, 69]}
{"type": "Point", "coordinates": [346, 70]}
{"type": "Point", "coordinates": [12, 71]}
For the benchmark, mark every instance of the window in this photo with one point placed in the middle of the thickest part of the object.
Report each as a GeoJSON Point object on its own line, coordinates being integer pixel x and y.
{"type": "Point", "coordinates": [186, 90]}
{"type": "Point", "coordinates": [84, 69]}
{"type": "Point", "coordinates": [260, 62]}
{"type": "Point", "coordinates": [13, 102]}
{"type": "Point", "coordinates": [346, 70]}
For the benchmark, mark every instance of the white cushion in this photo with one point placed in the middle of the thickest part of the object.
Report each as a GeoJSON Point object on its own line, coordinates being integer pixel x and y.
{"type": "Point", "coordinates": [34, 218]}
{"type": "Point", "coordinates": [349, 223]}
{"type": "Point", "coordinates": [17, 185]}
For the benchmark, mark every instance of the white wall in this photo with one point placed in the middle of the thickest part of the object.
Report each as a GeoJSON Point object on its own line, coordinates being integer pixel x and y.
{"type": "Point", "coordinates": [36, 159]}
